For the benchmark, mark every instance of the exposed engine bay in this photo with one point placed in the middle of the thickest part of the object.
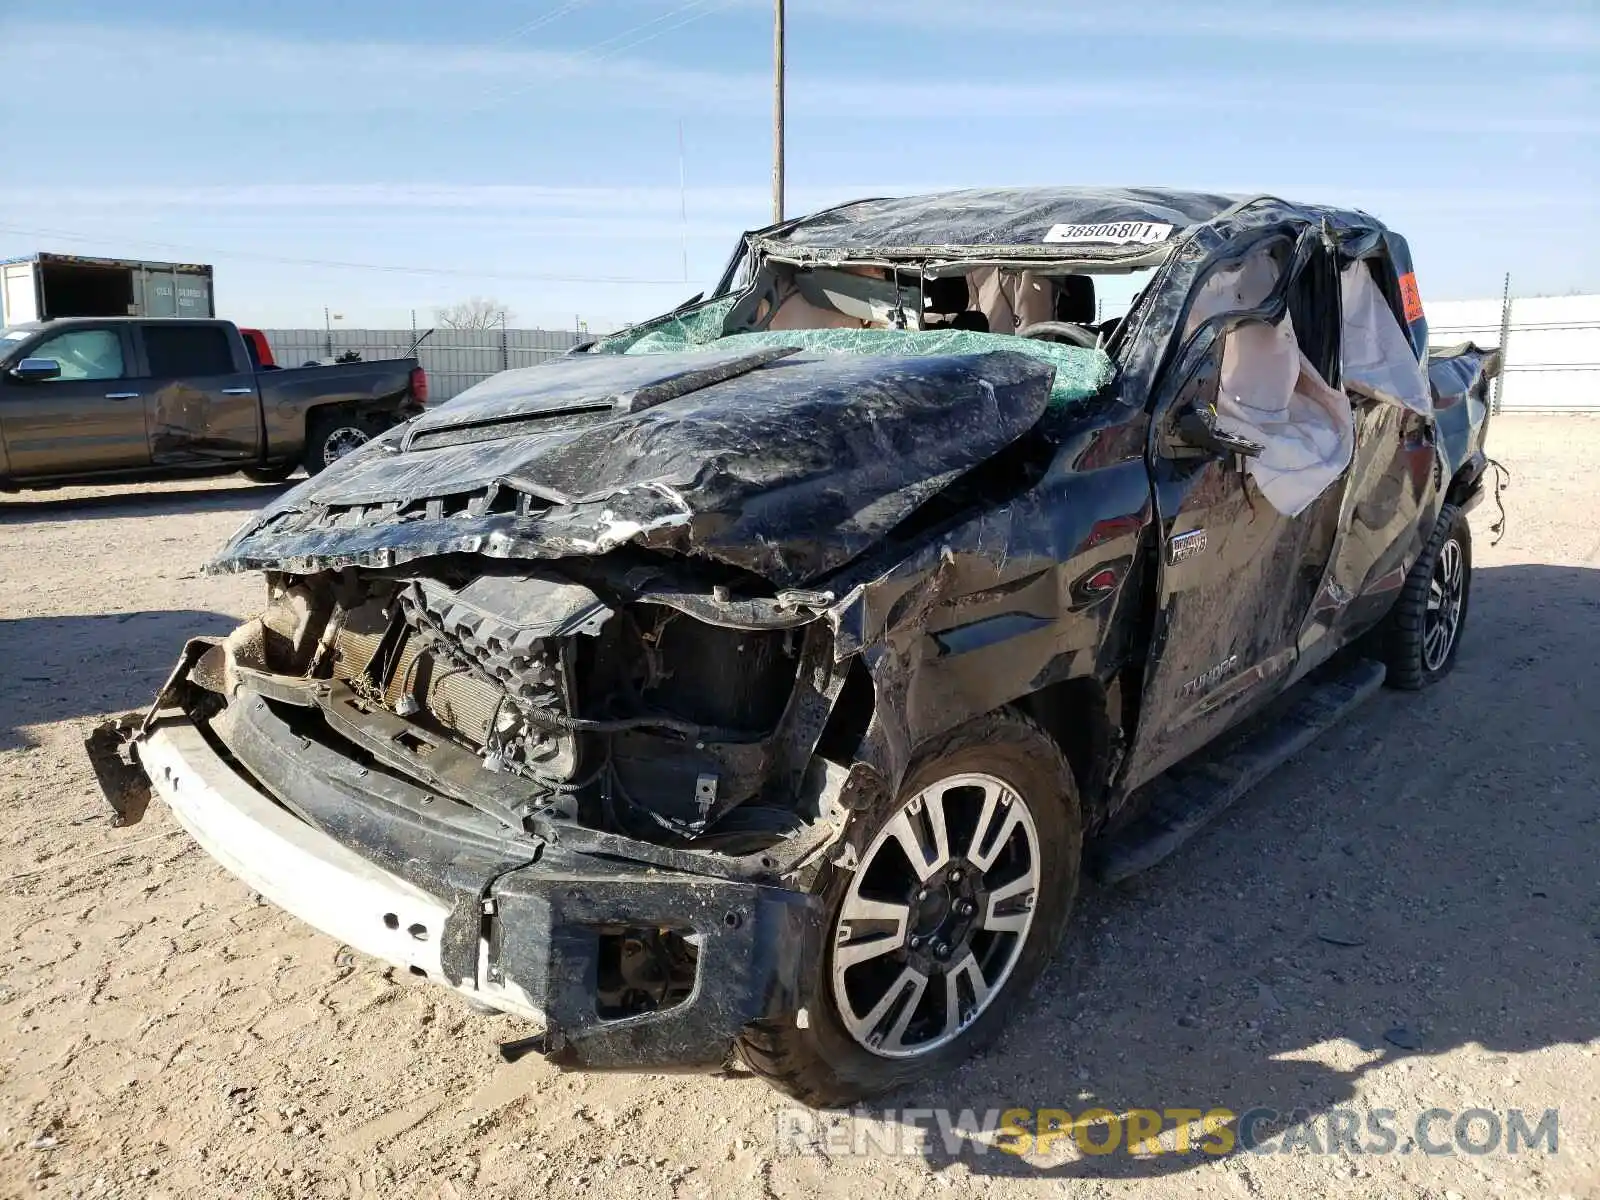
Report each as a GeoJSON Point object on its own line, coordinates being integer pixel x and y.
{"type": "Point", "coordinates": [531, 698]}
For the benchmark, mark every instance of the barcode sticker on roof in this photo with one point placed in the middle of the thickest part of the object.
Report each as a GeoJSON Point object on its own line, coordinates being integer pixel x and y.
{"type": "Point", "coordinates": [1115, 233]}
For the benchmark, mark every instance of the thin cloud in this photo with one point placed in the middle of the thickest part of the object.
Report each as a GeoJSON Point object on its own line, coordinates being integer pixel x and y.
{"type": "Point", "coordinates": [1454, 26]}
{"type": "Point", "coordinates": [283, 78]}
{"type": "Point", "coordinates": [511, 198]}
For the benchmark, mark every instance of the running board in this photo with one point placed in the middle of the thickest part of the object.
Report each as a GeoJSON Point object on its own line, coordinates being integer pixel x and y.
{"type": "Point", "coordinates": [1191, 794]}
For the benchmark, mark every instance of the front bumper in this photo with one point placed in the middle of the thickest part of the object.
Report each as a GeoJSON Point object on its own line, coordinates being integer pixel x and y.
{"type": "Point", "coordinates": [295, 866]}
{"type": "Point", "coordinates": [509, 921]}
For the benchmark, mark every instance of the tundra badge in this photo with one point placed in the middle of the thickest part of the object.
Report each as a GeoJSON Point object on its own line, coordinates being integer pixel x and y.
{"type": "Point", "coordinates": [1186, 545]}
{"type": "Point", "coordinates": [1204, 683]}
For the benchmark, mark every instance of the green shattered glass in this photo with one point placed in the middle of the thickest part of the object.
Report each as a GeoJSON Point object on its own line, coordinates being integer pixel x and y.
{"type": "Point", "coordinates": [1080, 372]}
{"type": "Point", "coordinates": [680, 331]}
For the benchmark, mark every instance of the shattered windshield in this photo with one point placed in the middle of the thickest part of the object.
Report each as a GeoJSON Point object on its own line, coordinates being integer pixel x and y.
{"type": "Point", "coordinates": [1064, 314]}
{"type": "Point", "coordinates": [1080, 371]}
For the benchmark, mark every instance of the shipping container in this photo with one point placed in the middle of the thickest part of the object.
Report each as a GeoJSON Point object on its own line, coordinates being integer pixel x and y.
{"type": "Point", "coordinates": [42, 286]}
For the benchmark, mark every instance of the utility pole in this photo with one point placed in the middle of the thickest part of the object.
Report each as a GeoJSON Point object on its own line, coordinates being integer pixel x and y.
{"type": "Point", "coordinates": [777, 112]}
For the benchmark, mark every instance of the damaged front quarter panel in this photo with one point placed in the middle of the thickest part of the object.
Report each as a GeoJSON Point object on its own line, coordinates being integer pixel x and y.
{"type": "Point", "coordinates": [1031, 593]}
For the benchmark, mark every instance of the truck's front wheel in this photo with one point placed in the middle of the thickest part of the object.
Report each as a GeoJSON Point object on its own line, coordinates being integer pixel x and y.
{"type": "Point", "coordinates": [331, 435]}
{"type": "Point", "coordinates": [962, 886]}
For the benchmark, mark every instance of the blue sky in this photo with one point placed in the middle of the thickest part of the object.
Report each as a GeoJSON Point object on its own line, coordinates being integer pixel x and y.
{"type": "Point", "coordinates": [528, 150]}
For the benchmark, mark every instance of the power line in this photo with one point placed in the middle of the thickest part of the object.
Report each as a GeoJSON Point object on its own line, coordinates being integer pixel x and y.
{"type": "Point", "coordinates": [610, 45]}
{"type": "Point", "coordinates": [540, 22]}
{"type": "Point", "coordinates": [653, 21]}
{"type": "Point", "coordinates": [650, 37]}
{"type": "Point", "coordinates": [68, 236]}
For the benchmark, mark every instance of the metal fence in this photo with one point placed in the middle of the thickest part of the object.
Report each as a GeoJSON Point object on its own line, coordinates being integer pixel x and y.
{"type": "Point", "coordinates": [455, 359]}
{"type": "Point", "coordinates": [1551, 344]}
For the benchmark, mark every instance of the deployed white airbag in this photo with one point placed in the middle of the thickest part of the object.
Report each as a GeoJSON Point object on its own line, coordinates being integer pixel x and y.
{"type": "Point", "coordinates": [1270, 393]}
{"type": "Point", "coordinates": [1379, 362]}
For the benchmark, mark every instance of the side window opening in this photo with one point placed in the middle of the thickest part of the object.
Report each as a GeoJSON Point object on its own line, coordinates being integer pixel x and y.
{"type": "Point", "coordinates": [1387, 280]}
{"type": "Point", "coordinates": [1273, 386]}
{"type": "Point", "coordinates": [1378, 360]}
{"type": "Point", "coordinates": [84, 354]}
{"type": "Point", "coordinates": [1313, 303]}
{"type": "Point", "coordinates": [176, 351]}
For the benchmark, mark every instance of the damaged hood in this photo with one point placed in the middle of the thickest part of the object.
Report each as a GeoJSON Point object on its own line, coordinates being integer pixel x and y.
{"type": "Point", "coordinates": [778, 463]}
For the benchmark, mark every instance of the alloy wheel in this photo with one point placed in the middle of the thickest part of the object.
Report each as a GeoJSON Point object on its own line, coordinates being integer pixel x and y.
{"type": "Point", "coordinates": [342, 441]}
{"type": "Point", "coordinates": [1442, 618]}
{"type": "Point", "coordinates": [936, 916]}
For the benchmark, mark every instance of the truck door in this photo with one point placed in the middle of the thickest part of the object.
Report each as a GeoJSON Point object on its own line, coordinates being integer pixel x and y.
{"type": "Point", "coordinates": [201, 400]}
{"type": "Point", "coordinates": [1236, 577]}
{"type": "Point", "coordinates": [1390, 505]}
{"type": "Point", "coordinates": [89, 418]}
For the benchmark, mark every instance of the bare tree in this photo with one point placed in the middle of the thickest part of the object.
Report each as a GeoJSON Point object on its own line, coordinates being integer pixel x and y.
{"type": "Point", "coordinates": [479, 312]}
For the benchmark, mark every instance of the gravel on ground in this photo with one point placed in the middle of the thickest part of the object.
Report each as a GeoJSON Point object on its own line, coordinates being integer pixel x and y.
{"type": "Point", "coordinates": [1406, 917]}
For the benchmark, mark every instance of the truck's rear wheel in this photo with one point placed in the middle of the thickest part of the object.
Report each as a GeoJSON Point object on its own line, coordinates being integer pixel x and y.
{"type": "Point", "coordinates": [964, 884]}
{"type": "Point", "coordinates": [331, 435]}
{"type": "Point", "coordinates": [1422, 633]}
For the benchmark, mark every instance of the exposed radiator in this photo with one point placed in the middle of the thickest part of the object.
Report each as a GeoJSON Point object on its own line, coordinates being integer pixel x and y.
{"type": "Point", "coordinates": [415, 679]}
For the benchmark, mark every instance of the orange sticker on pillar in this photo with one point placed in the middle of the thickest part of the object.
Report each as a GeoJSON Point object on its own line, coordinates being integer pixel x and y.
{"type": "Point", "coordinates": [1410, 298]}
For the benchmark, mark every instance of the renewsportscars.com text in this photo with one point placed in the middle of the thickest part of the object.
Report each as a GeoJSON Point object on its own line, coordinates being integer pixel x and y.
{"type": "Point", "coordinates": [1216, 1131]}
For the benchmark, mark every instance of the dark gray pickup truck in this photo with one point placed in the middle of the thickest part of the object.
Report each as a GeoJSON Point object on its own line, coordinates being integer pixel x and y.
{"type": "Point", "coordinates": [97, 398]}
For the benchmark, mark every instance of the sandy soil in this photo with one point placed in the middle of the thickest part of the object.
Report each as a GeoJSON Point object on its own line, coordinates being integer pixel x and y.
{"type": "Point", "coordinates": [167, 1035]}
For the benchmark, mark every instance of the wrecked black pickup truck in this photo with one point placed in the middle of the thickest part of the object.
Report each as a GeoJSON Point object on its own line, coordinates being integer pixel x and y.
{"type": "Point", "coordinates": [761, 679]}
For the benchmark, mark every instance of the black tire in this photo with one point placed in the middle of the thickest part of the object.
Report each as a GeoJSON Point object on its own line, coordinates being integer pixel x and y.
{"type": "Point", "coordinates": [1410, 635]}
{"type": "Point", "coordinates": [328, 428]}
{"type": "Point", "coordinates": [275, 474]}
{"type": "Point", "coordinates": [815, 1058]}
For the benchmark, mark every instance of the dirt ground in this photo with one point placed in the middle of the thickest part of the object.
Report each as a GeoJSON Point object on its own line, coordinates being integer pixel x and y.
{"type": "Point", "coordinates": [1404, 917]}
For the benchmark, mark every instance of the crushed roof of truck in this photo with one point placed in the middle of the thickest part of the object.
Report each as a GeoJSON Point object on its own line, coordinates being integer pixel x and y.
{"type": "Point", "coordinates": [992, 216]}
{"type": "Point", "coordinates": [1066, 219]}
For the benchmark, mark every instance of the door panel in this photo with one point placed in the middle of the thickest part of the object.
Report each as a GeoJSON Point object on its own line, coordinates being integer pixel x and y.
{"type": "Point", "coordinates": [202, 403]}
{"type": "Point", "coordinates": [90, 418]}
{"type": "Point", "coordinates": [1389, 509]}
{"type": "Point", "coordinates": [1236, 579]}
{"type": "Point", "coordinates": [1383, 526]}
